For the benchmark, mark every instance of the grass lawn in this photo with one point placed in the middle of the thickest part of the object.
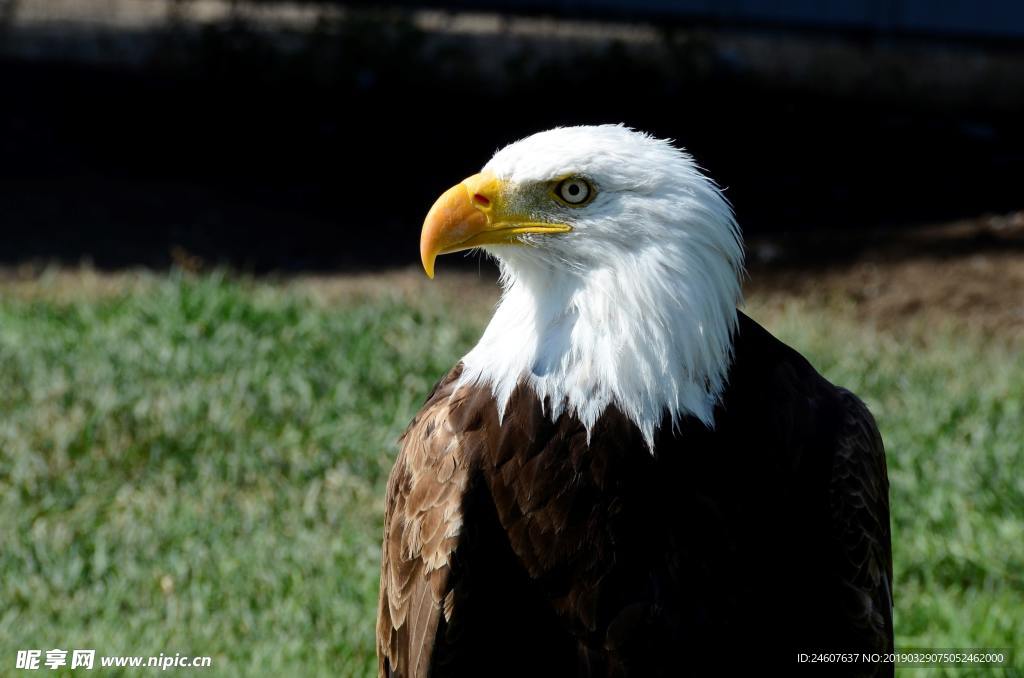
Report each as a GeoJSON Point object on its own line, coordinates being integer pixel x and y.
{"type": "Point", "coordinates": [197, 465]}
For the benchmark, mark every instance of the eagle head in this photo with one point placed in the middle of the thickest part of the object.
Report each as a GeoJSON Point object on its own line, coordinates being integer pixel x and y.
{"type": "Point", "coordinates": [621, 265]}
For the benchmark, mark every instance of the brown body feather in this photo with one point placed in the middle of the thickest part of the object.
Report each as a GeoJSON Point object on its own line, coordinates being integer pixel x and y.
{"type": "Point", "coordinates": [518, 549]}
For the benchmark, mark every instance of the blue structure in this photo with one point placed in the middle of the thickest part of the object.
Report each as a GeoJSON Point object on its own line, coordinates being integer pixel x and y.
{"type": "Point", "coordinates": [977, 19]}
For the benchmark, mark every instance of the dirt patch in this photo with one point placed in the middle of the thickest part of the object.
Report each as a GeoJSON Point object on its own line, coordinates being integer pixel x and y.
{"type": "Point", "coordinates": [967, 273]}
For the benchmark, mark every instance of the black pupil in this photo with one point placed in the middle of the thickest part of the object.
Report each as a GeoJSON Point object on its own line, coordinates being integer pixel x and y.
{"type": "Point", "coordinates": [574, 190]}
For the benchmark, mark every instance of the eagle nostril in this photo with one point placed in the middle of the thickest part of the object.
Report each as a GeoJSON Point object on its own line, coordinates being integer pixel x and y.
{"type": "Point", "coordinates": [480, 200]}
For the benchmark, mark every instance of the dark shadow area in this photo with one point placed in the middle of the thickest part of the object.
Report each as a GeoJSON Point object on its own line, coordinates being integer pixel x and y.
{"type": "Point", "coordinates": [326, 155]}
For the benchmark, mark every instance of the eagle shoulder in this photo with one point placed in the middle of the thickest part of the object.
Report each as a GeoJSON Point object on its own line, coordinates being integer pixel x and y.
{"type": "Point", "coordinates": [422, 521]}
{"type": "Point", "coordinates": [831, 443]}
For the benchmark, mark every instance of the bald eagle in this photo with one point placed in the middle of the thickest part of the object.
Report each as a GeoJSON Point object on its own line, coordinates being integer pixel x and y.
{"type": "Point", "coordinates": [626, 476]}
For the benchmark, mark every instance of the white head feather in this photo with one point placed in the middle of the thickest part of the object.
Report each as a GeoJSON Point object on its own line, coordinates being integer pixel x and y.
{"type": "Point", "coordinates": [636, 306]}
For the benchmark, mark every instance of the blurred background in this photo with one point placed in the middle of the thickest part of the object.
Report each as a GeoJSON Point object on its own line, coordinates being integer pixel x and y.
{"type": "Point", "coordinates": [212, 329]}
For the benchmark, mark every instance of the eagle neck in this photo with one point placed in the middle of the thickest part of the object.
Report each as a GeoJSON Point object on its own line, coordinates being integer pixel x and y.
{"type": "Point", "coordinates": [622, 335]}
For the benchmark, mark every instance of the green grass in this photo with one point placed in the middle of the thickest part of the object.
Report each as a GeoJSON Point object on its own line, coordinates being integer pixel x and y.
{"type": "Point", "coordinates": [198, 466]}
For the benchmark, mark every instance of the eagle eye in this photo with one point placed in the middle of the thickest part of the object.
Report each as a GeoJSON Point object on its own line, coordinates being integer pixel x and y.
{"type": "Point", "coordinates": [574, 191]}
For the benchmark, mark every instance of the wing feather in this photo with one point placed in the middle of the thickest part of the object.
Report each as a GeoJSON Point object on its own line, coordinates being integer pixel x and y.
{"type": "Point", "coordinates": [422, 520]}
{"type": "Point", "coordinates": [859, 498]}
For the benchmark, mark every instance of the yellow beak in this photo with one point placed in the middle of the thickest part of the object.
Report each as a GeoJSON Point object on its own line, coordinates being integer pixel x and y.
{"type": "Point", "coordinates": [471, 214]}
